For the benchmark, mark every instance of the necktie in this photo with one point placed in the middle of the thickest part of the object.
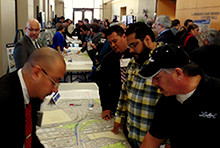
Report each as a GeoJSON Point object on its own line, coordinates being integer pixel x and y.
{"type": "Point", "coordinates": [123, 71]}
{"type": "Point", "coordinates": [36, 45]}
{"type": "Point", "coordinates": [28, 126]}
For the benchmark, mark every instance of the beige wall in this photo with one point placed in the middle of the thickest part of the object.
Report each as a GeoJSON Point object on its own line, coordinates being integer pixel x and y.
{"type": "Point", "coordinates": [7, 30]}
{"type": "Point", "coordinates": [166, 7]}
{"type": "Point", "coordinates": [136, 6]}
{"type": "Point", "coordinates": [114, 8]}
{"type": "Point", "coordinates": [199, 10]}
{"type": "Point", "coordinates": [45, 9]}
{"type": "Point", "coordinates": [51, 7]}
{"type": "Point", "coordinates": [40, 4]}
{"type": "Point", "coordinates": [107, 10]}
{"type": "Point", "coordinates": [150, 5]}
{"type": "Point", "coordinates": [59, 8]}
{"type": "Point", "coordinates": [25, 10]}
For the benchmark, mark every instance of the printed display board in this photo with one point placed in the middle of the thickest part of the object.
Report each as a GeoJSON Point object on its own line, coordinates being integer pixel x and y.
{"type": "Point", "coordinates": [10, 55]}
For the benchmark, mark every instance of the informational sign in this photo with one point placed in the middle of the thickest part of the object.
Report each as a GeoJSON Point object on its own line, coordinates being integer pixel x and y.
{"type": "Point", "coordinates": [10, 55]}
{"type": "Point", "coordinates": [203, 25]}
{"type": "Point", "coordinates": [203, 28]}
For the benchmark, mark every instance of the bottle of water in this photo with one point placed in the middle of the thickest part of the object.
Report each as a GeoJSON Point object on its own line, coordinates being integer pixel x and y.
{"type": "Point", "coordinates": [91, 104]}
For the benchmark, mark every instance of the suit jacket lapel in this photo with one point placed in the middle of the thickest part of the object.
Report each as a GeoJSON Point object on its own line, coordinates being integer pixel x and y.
{"type": "Point", "coordinates": [29, 42]}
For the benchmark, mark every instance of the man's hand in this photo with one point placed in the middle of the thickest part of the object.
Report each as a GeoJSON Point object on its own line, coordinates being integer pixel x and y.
{"type": "Point", "coordinates": [106, 115]}
{"type": "Point", "coordinates": [64, 52]}
{"type": "Point", "coordinates": [78, 52]}
{"type": "Point", "coordinates": [93, 46]}
{"type": "Point", "coordinates": [116, 127]}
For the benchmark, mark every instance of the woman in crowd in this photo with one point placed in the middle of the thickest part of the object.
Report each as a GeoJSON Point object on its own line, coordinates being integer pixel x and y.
{"type": "Point", "coordinates": [191, 41]}
{"type": "Point", "coordinates": [58, 38]}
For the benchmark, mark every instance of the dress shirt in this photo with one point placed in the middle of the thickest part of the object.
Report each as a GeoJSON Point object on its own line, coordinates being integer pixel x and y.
{"type": "Point", "coordinates": [24, 88]}
{"type": "Point", "coordinates": [24, 91]}
{"type": "Point", "coordinates": [36, 45]}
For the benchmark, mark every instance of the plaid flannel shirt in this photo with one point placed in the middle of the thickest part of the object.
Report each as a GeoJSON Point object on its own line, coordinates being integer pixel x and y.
{"type": "Point", "coordinates": [137, 101]}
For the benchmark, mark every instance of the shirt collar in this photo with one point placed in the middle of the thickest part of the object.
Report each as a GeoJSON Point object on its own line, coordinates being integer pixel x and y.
{"type": "Point", "coordinates": [182, 97]}
{"type": "Point", "coordinates": [163, 31]}
{"type": "Point", "coordinates": [24, 88]}
{"type": "Point", "coordinates": [33, 42]}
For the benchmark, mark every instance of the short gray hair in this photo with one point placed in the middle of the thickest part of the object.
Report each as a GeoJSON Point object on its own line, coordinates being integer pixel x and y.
{"type": "Point", "coordinates": [116, 23]}
{"type": "Point", "coordinates": [191, 69]}
{"type": "Point", "coordinates": [168, 70]}
{"type": "Point", "coordinates": [164, 20]}
{"type": "Point", "coordinates": [213, 36]}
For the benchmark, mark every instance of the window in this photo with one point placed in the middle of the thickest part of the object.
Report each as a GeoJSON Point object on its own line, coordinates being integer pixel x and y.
{"type": "Point", "coordinates": [96, 5]}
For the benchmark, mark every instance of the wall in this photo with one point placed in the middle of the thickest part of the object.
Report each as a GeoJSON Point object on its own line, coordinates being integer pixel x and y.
{"type": "Point", "coordinates": [166, 7]}
{"type": "Point", "coordinates": [150, 5]}
{"type": "Point", "coordinates": [136, 6]}
{"type": "Point", "coordinates": [7, 31]}
{"type": "Point", "coordinates": [199, 10]}
{"type": "Point", "coordinates": [45, 9]}
{"type": "Point", "coordinates": [25, 9]}
{"type": "Point", "coordinates": [59, 8]}
{"type": "Point", "coordinates": [129, 4]}
{"type": "Point", "coordinates": [107, 10]}
{"type": "Point", "coordinates": [51, 9]}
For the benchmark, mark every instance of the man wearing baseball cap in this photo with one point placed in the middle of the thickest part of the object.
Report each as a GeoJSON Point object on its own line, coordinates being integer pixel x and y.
{"type": "Point", "coordinates": [188, 111]}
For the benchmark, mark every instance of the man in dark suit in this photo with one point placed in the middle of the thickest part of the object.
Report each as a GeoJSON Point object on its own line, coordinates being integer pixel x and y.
{"type": "Point", "coordinates": [28, 43]}
{"type": "Point", "coordinates": [22, 92]}
{"type": "Point", "coordinates": [162, 26]}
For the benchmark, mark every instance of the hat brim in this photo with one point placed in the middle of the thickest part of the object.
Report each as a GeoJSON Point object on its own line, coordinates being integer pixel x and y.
{"type": "Point", "coordinates": [149, 70]}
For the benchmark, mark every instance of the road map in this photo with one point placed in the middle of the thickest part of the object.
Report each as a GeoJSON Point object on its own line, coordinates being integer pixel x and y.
{"type": "Point", "coordinates": [71, 124]}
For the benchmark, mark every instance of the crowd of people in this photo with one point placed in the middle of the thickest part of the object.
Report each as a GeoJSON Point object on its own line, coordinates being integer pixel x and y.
{"type": "Point", "coordinates": [155, 81]}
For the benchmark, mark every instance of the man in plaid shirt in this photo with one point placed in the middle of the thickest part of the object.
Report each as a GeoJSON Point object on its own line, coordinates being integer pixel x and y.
{"type": "Point", "coordinates": [138, 96]}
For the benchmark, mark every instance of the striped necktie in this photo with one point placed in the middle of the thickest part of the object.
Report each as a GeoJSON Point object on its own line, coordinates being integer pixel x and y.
{"type": "Point", "coordinates": [36, 44]}
{"type": "Point", "coordinates": [28, 126]}
{"type": "Point", "coordinates": [122, 70]}
{"type": "Point", "coordinates": [123, 76]}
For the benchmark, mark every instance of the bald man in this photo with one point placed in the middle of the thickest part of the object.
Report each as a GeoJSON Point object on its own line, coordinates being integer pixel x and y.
{"type": "Point", "coordinates": [22, 92]}
{"type": "Point", "coordinates": [28, 43]}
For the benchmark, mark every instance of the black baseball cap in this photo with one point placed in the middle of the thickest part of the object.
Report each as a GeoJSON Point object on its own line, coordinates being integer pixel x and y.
{"type": "Point", "coordinates": [166, 56]}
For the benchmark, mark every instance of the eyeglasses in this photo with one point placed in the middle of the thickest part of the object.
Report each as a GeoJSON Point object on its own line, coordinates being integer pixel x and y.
{"type": "Point", "coordinates": [133, 45]}
{"type": "Point", "coordinates": [32, 29]}
{"type": "Point", "coordinates": [55, 84]}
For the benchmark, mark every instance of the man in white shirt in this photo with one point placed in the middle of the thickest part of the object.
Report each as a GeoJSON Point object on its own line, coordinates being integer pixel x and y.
{"type": "Point", "coordinates": [22, 92]}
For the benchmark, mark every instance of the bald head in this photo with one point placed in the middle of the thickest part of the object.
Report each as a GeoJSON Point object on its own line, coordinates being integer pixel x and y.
{"type": "Point", "coordinates": [43, 71]}
{"type": "Point", "coordinates": [32, 28]}
{"type": "Point", "coordinates": [32, 21]}
{"type": "Point", "coordinates": [46, 57]}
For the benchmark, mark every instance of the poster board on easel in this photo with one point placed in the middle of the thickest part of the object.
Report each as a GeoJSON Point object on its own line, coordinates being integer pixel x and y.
{"type": "Point", "coordinates": [10, 54]}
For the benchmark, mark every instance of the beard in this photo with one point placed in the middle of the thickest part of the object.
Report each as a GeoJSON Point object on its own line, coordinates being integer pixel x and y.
{"type": "Point", "coordinates": [143, 56]}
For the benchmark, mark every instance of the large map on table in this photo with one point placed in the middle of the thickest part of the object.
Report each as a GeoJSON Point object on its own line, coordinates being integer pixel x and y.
{"type": "Point", "coordinates": [70, 124]}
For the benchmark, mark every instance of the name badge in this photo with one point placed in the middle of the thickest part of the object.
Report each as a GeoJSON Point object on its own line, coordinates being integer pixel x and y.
{"type": "Point", "coordinates": [54, 99]}
{"type": "Point", "coordinates": [102, 40]}
{"type": "Point", "coordinates": [124, 62]}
